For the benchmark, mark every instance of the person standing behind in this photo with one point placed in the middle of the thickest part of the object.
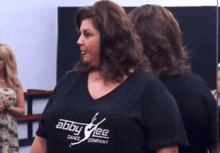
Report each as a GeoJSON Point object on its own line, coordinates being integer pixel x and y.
{"type": "Point", "coordinates": [11, 101]}
{"type": "Point", "coordinates": [107, 103]}
{"type": "Point", "coordinates": [162, 41]}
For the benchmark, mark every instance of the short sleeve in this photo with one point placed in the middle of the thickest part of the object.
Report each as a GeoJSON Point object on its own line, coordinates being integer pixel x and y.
{"type": "Point", "coordinates": [162, 122]}
{"type": "Point", "coordinates": [59, 91]}
{"type": "Point", "coordinates": [197, 106]}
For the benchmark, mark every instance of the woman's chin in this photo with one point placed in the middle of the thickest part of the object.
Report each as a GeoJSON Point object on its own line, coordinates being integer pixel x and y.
{"type": "Point", "coordinates": [92, 65]}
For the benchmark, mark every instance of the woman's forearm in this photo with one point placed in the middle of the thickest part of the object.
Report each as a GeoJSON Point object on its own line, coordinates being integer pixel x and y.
{"type": "Point", "coordinates": [168, 149]}
{"type": "Point", "coordinates": [15, 110]}
{"type": "Point", "coordinates": [38, 146]}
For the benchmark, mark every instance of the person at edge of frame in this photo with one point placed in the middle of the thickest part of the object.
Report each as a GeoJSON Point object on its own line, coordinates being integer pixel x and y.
{"type": "Point", "coordinates": [161, 37]}
{"type": "Point", "coordinates": [11, 100]}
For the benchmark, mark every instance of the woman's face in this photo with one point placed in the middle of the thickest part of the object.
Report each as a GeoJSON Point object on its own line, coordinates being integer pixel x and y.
{"type": "Point", "coordinates": [89, 42]}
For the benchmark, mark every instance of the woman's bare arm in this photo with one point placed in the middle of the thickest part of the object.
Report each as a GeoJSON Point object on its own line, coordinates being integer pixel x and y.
{"type": "Point", "coordinates": [38, 145]}
{"type": "Point", "coordinates": [19, 108]}
{"type": "Point", "coordinates": [168, 149]}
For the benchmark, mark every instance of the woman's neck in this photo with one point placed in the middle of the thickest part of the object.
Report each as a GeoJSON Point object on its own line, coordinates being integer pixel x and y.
{"type": "Point", "coordinates": [97, 76]}
{"type": "Point", "coordinates": [98, 87]}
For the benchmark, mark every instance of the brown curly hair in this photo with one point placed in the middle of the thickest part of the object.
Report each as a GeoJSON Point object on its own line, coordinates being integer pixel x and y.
{"type": "Point", "coordinates": [121, 47]}
{"type": "Point", "coordinates": [162, 39]}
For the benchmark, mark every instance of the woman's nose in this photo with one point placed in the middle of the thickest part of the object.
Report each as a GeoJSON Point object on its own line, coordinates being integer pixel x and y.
{"type": "Point", "coordinates": [80, 41]}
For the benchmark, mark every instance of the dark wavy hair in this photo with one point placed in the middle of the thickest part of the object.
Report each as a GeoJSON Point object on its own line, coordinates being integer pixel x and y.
{"type": "Point", "coordinates": [162, 39]}
{"type": "Point", "coordinates": [121, 48]}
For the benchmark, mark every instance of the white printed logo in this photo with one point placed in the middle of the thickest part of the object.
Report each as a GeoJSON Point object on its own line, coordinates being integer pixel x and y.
{"type": "Point", "coordinates": [99, 135]}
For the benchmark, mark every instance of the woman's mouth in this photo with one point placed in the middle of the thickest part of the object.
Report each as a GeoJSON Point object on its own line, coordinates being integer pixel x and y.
{"type": "Point", "coordinates": [83, 53]}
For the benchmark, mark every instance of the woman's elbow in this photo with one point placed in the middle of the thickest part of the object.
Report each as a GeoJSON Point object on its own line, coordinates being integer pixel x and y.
{"type": "Point", "coordinates": [22, 112]}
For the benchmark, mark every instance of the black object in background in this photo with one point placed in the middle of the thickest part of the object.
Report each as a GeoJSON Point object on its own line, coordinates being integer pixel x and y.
{"type": "Point", "coordinates": [198, 25]}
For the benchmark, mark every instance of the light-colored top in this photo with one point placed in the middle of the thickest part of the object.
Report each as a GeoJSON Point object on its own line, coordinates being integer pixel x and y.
{"type": "Point", "coordinates": [10, 93]}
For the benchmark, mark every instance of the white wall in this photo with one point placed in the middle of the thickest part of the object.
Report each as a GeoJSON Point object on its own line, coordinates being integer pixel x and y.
{"type": "Point", "coordinates": [30, 28]}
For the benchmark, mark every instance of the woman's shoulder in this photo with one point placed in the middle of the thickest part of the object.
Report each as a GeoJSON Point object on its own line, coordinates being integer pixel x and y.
{"type": "Point", "coordinates": [153, 90]}
{"type": "Point", "coordinates": [194, 77]}
{"type": "Point", "coordinates": [185, 82]}
{"type": "Point", "coordinates": [66, 82]}
{"type": "Point", "coordinates": [146, 77]}
{"type": "Point", "coordinates": [68, 79]}
{"type": "Point", "coordinates": [70, 76]}
{"type": "Point", "coordinates": [148, 81]}
{"type": "Point", "coordinates": [185, 79]}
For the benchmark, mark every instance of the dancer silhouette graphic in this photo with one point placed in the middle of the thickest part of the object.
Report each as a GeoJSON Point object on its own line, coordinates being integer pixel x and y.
{"type": "Point", "coordinates": [88, 130]}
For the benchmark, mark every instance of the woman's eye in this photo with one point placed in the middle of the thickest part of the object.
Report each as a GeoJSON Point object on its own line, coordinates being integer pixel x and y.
{"type": "Point", "coordinates": [87, 34]}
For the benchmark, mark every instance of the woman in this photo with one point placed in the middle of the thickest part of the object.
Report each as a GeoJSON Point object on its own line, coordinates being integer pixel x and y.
{"type": "Point", "coordinates": [107, 103]}
{"type": "Point", "coordinates": [162, 42]}
{"type": "Point", "coordinates": [11, 100]}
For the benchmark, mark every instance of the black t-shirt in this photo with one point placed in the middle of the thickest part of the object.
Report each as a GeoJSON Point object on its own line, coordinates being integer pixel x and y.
{"type": "Point", "coordinates": [198, 109]}
{"type": "Point", "coordinates": [140, 115]}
